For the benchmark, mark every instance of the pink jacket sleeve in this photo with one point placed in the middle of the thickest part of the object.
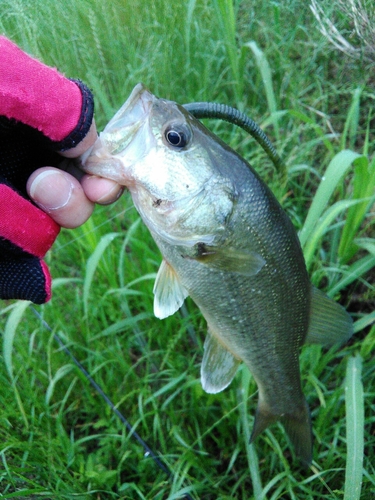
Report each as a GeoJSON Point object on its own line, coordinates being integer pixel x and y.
{"type": "Point", "coordinates": [39, 96]}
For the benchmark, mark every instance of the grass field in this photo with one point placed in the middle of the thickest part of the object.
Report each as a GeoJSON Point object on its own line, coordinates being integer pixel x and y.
{"type": "Point", "coordinates": [59, 439]}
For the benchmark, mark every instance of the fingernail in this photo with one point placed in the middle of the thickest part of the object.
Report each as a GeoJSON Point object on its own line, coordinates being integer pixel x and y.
{"type": "Point", "coordinates": [112, 195]}
{"type": "Point", "coordinates": [101, 190]}
{"type": "Point", "coordinates": [51, 190]}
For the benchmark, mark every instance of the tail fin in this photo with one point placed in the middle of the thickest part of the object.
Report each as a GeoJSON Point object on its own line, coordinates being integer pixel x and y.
{"type": "Point", "coordinates": [297, 426]}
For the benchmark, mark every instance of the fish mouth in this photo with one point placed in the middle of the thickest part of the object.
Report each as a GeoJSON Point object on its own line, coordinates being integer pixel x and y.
{"type": "Point", "coordinates": [122, 128]}
{"type": "Point", "coordinates": [120, 144]}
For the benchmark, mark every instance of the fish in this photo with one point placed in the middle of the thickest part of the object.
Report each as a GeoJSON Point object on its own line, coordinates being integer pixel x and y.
{"type": "Point", "coordinates": [227, 243]}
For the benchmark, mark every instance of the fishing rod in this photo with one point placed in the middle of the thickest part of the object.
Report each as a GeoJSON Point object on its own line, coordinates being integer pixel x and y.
{"type": "Point", "coordinates": [148, 451]}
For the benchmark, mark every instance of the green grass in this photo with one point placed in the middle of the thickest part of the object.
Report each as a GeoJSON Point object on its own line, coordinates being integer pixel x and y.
{"type": "Point", "coordinates": [58, 438]}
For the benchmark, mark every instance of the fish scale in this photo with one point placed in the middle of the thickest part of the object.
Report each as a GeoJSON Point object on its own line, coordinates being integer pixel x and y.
{"type": "Point", "coordinates": [226, 242]}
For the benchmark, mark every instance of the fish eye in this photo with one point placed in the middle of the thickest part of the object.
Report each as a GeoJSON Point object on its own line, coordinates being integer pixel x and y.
{"type": "Point", "coordinates": [177, 135]}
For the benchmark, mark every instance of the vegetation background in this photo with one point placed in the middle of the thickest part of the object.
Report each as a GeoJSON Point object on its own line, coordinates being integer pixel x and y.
{"type": "Point", "coordinates": [305, 72]}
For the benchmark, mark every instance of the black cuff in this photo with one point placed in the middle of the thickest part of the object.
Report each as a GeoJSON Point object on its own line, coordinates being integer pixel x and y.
{"type": "Point", "coordinates": [23, 279]}
{"type": "Point", "coordinates": [84, 123]}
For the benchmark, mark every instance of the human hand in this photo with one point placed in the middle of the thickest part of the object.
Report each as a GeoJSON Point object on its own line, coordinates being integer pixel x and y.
{"type": "Point", "coordinates": [43, 118]}
{"type": "Point", "coordinates": [65, 193]}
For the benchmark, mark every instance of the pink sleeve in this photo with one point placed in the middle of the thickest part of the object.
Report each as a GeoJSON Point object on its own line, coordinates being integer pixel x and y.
{"type": "Point", "coordinates": [36, 94]}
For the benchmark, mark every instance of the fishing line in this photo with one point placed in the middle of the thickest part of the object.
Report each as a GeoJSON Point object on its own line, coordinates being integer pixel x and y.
{"type": "Point", "coordinates": [94, 229]}
{"type": "Point", "coordinates": [148, 451]}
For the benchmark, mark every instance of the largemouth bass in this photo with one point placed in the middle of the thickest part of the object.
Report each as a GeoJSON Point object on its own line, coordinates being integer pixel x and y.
{"type": "Point", "coordinates": [226, 242]}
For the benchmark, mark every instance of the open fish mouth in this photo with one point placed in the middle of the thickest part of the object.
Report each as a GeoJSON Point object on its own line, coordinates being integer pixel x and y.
{"type": "Point", "coordinates": [123, 141]}
{"type": "Point", "coordinates": [122, 128]}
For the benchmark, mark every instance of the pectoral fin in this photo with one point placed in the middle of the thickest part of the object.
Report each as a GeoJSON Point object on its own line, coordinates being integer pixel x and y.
{"type": "Point", "coordinates": [231, 260]}
{"type": "Point", "coordinates": [219, 366]}
{"type": "Point", "coordinates": [169, 293]}
{"type": "Point", "coordinates": [329, 322]}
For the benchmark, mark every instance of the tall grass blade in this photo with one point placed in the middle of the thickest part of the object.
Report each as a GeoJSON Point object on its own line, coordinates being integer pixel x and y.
{"type": "Point", "coordinates": [189, 20]}
{"type": "Point", "coordinates": [354, 428]}
{"type": "Point", "coordinates": [182, 493]}
{"type": "Point", "coordinates": [10, 331]}
{"type": "Point", "coordinates": [227, 21]}
{"type": "Point", "coordinates": [92, 264]}
{"type": "Point", "coordinates": [121, 263]}
{"type": "Point", "coordinates": [351, 125]}
{"type": "Point", "coordinates": [336, 169]}
{"type": "Point", "coordinates": [252, 458]}
{"type": "Point", "coordinates": [352, 273]}
{"type": "Point", "coordinates": [9, 334]}
{"type": "Point", "coordinates": [360, 324]}
{"type": "Point", "coordinates": [368, 343]}
{"type": "Point", "coordinates": [100, 95]}
{"type": "Point", "coordinates": [61, 372]}
{"type": "Point", "coordinates": [322, 226]}
{"type": "Point", "coordinates": [363, 187]}
{"type": "Point", "coordinates": [266, 74]}
{"type": "Point", "coordinates": [167, 387]}
{"type": "Point", "coordinates": [30, 492]}
{"type": "Point", "coordinates": [366, 243]}
{"type": "Point", "coordinates": [319, 131]}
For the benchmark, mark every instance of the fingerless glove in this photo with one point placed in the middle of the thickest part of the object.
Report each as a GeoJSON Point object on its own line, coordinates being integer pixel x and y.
{"type": "Point", "coordinates": [41, 113]}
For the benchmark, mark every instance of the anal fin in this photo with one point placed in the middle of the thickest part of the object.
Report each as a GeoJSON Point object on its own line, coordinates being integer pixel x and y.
{"type": "Point", "coordinates": [219, 366]}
